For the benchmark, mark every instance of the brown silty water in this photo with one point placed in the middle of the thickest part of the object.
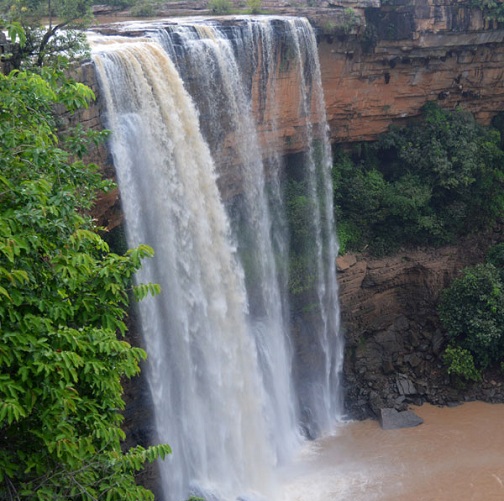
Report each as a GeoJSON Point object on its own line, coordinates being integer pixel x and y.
{"type": "Point", "coordinates": [456, 455]}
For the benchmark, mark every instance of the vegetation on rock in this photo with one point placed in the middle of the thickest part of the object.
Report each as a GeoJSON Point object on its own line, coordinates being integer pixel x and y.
{"type": "Point", "coordinates": [425, 184]}
{"type": "Point", "coordinates": [220, 6]}
{"type": "Point", "coordinates": [460, 363]}
{"type": "Point", "coordinates": [493, 10]}
{"type": "Point", "coordinates": [472, 312]}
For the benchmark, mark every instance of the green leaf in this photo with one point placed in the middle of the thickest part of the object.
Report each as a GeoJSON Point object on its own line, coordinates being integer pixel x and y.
{"type": "Point", "coordinates": [4, 293]}
{"type": "Point", "coordinates": [16, 33]}
{"type": "Point", "coordinates": [141, 291]}
{"type": "Point", "coordinates": [65, 297]}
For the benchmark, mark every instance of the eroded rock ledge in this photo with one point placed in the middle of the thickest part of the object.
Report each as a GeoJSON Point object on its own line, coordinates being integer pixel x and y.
{"type": "Point", "coordinates": [393, 337]}
{"type": "Point", "coordinates": [407, 53]}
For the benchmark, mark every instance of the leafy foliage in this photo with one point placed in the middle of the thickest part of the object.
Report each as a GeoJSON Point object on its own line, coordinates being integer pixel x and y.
{"type": "Point", "coordinates": [254, 6]}
{"type": "Point", "coordinates": [303, 249]}
{"type": "Point", "coordinates": [63, 297]}
{"type": "Point", "coordinates": [472, 312]}
{"type": "Point", "coordinates": [51, 31]}
{"type": "Point", "coordinates": [493, 10]}
{"type": "Point", "coordinates": [425, 184]}
{"type": "Point", "coordinates": [495, 256]}
{"type": "Point", "coordinates": [461, 363]}
{"type": "Point", "coordinates": [350, 21]}
{"type": "Point", "coordinates": [145, 8]}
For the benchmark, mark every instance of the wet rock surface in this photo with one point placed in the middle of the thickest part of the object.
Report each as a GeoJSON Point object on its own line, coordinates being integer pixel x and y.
{"type": "Point", "coordinates": [391, 419]}
{"type": "Point", "coordinates": [380, 63]}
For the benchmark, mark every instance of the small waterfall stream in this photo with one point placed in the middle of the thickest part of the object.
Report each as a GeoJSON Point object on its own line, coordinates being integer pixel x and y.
{"type": "Point", "coordinates": [236, 370]}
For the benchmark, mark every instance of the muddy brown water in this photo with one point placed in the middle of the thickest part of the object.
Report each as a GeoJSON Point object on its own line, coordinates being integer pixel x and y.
{"type": "Point", "coordinates": [456, 455]}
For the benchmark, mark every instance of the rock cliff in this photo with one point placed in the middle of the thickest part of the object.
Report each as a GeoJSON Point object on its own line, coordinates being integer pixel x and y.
{"type": "Point", "coordinates": [381, 61]}
{"type": "Point", "coordinates": [393, 336]}
{"type": "Point", "coordinates": [408, 53]}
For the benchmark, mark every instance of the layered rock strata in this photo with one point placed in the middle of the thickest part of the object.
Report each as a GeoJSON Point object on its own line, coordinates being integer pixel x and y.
{"type": "Point", "coordinates": [394, 341]}
{"type": "Point", "coordinates": [407, 54]}
{"type": "Point", "coordinates": [379, 66]}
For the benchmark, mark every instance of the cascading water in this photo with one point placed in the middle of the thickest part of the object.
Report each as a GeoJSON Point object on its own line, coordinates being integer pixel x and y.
{"type": "Point", "coordinates": [226, 375]}
{"type": "Point", "coordinates": [318, 368]}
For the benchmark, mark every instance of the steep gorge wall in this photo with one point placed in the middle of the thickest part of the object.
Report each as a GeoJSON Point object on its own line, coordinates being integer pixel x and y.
{"type": "Point", "coordinates": [394, 340]}
{"type": "Point", "coordinates": [408, 53]}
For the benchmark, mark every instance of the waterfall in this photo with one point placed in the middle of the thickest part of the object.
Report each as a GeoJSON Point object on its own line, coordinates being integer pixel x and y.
{"type": "Point", "coordinates": [230, 393]}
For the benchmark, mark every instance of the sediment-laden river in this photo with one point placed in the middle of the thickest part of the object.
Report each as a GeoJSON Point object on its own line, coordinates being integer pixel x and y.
{"type": "Point", "coordinates": [456, 455]}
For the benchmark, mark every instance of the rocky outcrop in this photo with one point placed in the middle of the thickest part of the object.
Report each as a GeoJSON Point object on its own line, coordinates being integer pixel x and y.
{"type": "Point", "coordinates": [379, 66]}
{"type": "Point", "coordinates": [393, 337]}
{"type": "Point", "coordinates": [382, 61]}
{"type": "Point", "coordinates": [408, 53]}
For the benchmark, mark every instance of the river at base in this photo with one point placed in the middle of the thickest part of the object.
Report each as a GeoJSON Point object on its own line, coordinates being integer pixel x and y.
{"type": "Point", "coordinates": [457, 454]}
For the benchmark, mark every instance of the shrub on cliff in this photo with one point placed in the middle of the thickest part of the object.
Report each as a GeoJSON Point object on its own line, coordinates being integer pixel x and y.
{"type": "Point", "coordinates": [303, 246]}
{"type": "Point", "coordinates": [424, 184]}
{"type": "Point", "coordinates": [63, 299]}
{"type": "Point", "coordinates": [495, 256]}
{"type": "Point", "coordinates": [461, 363]}
{"type": "Point", "coordinates": [492, 10]}
{"type": "Point", "coordinates": [472, 312]}
{"type": "Point", "coordinates": [220, 6]}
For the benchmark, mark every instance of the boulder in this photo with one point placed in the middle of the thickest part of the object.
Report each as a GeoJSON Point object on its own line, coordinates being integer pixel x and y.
{"type": "Point", "coordinates": [405, 386]}
{"type": "Point", "coordinates": [390, 419]}
{"type": "Point", "coordinates": [345, 262]}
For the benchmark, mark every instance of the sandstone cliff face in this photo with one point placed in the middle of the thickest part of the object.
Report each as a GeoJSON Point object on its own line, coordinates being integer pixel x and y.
{"type": "Point", "coordinates": [410, 53]}
{"type": "Point", "coordinates": [381, 64]}
{"type": "Point", "coordinates": [377, 70]}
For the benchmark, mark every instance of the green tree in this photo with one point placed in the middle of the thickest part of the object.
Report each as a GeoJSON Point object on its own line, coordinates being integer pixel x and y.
{"type": "Point", "coordinates": [493, 10]}
{"type": "Point", "coordinates": [52, 29]}
{"type": "Point", "coordinates": [220, 6]}
{"type": "Point", "coordinates": [459, 160]}
{"type": "Point", "coordinates": [495, 256]}
{"type": "Point", "coordinates": [358, 199]}
{"type": "Point", "coordinates": [254, 6]}
{"type": "Point", "coordinates": [63, 298]}
{"type": "Point", "coordinates": [472, 312]}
